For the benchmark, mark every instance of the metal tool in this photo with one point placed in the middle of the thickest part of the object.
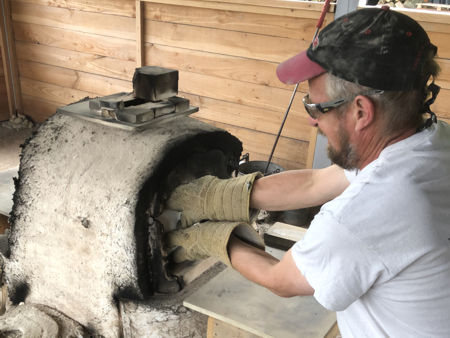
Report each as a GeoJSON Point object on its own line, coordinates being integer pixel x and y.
{"type": "Point", "coordinates": [152, 101]}
{"type": "Point", "coordinates": [319, 24]}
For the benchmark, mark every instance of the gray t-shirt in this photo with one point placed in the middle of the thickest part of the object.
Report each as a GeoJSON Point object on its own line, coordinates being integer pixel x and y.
{"type": "Point", "coordinates": [379, 254]}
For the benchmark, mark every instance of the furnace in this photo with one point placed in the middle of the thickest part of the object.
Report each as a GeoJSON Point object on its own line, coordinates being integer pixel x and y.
{"type": "Point", "coordinates": [86, 233]}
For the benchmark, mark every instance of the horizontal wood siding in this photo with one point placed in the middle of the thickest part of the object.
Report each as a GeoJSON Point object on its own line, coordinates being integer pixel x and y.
{"type": "Point", "coordinates": [70, 49]}
{"type": "Point", "coordinates": [227, 61]}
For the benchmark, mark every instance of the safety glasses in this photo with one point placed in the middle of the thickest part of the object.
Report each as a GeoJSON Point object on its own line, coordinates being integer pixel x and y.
{"type": "Point", "coordinates": [313, 109]}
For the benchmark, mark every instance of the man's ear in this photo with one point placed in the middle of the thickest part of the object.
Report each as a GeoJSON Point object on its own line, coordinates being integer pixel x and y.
{"type": "Point", "coordinates": [363, 112]}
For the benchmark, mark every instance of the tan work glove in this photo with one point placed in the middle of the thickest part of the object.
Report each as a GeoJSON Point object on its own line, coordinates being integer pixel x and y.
{"type": "Point", "coordinates": [211, 198]}
{"type": "Point", "coordinates": [209, 239]}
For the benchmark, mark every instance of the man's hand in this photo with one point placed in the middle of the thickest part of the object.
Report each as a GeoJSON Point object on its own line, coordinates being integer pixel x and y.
{"type": "Point", "coordinates": [209, 239]}
{"type": "Point", "coordinates": [211, 198]}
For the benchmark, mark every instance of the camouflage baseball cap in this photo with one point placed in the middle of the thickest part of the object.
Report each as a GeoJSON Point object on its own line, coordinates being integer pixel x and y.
{"type": "Point", "coordinates": [374, 47]}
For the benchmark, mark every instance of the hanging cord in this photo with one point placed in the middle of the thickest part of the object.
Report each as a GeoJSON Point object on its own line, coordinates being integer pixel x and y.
{"type": "Point", "coordinates": [280, 130]}
{"type": "Point", "coordinates": [326, 7]}
{"type": "Point", "coordinates": [434, 89]}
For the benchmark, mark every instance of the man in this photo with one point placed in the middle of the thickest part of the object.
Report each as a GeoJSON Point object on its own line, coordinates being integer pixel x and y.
{"type": "Point", "coordinates": [378, 252]}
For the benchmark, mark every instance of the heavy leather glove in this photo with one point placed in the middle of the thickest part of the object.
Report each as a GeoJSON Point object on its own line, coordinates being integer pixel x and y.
{"type": "Point", "coordinates": [209, 239]}
{"type": "Point", "coordinates": [211, 198]}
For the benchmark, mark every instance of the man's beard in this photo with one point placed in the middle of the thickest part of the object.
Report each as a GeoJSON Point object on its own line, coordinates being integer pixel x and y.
{"type": "Point", "coordinates": [347, 156]}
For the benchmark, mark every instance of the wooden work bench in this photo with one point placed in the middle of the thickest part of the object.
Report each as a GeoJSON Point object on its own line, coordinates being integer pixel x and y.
{"type": "Point", "coordinates": [239, 308]}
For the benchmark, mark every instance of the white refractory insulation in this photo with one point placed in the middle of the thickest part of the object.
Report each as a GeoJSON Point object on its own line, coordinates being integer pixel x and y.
{"type": "Point", "coordinates": [79, 225]}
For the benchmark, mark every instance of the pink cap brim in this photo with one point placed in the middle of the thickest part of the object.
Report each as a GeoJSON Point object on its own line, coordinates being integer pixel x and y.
{"type": "Point", "coordinates": [297, 69]}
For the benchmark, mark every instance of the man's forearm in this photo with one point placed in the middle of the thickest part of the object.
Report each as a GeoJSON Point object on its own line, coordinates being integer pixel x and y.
{"type": "Point", "coordinates": [296, 189]}
{"type": "Point", "coordinates": [252, 263]}
{"type": "Point", "coordinates": [281, 277]}
{"type": "Point", "coordinates": [281, 191]}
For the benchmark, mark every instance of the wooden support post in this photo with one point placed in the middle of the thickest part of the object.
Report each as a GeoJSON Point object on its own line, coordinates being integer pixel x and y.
{"type": "Point", "coordinates": [140, 42]}
{"type": "Point", "coordinates": [9, 60]}
{"type": "Point", "coordinates": [311, 148]}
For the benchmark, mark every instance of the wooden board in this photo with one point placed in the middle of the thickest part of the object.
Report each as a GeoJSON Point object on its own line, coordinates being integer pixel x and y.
{"type": "Point", "coordinates": [287, 231]}
{"type": "Point", "coordinates": [301, 9]}
{"type": "Point", "coordinates": [140, 24]}
{"type": "Point", "coordinates": [272, 25]}
{"type": "Point", "coordinates": [54, 93]}
{"type": "Point", "coordinates": [257, 119]}
{"type": "Point", "coordinates": [441, 41]}
{"type": "Point", "coordinates": [242, 69]}
{"type": "Point", "coordinates": [85, 62]}
{"type": "Point", "coordinates": [39, 108]}
{"type": "Point", "coordinates": [254, 46]}
{"type": "Point", "coordinates": [73, 79]}
{"type": "Point", "coordinates": [229, 297]}
{"type": "Point", "coordinates": [114, 7]}
{"type": "Point", "coordinates": [217, 328]}
{"type": "Point", "coordinates": [77, 41]}
{"type": "Point", "coordinates": [218, 65]}
{"type": "Point", "coordinates": [274, 4]}
{"type": "Point", "coordinates": [88, 22]}
{"type": "Point", "coordinates": [260, 96]}
{"type": "Point", "coordinates": [435, 27]}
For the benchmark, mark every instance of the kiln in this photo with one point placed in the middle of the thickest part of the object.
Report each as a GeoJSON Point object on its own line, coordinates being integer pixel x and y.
{"type": "Point", "coordinates": [85, 233]}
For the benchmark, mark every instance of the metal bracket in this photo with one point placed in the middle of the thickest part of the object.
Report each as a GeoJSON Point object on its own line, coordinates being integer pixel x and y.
{"type": "Point", "coordinates": [133, 118]}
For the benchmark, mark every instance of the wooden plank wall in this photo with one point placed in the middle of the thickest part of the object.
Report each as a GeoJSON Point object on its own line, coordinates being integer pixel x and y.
{"type": "Point", "coordinates": [227, 61]}
{"type": "Point", "coordinates": [69, 49]}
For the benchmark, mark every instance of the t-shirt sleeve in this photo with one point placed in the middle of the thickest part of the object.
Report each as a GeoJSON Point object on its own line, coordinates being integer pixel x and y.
{"type": "Point", "coordinates": [336, 264]}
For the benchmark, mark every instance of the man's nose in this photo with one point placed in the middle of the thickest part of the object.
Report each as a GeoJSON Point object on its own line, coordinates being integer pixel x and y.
{"type": "Point", "coordinates": [313, 122]}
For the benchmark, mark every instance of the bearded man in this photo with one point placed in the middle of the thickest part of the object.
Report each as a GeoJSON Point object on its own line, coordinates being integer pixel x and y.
{"type": "Point", "coordinates": [378, 251]}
